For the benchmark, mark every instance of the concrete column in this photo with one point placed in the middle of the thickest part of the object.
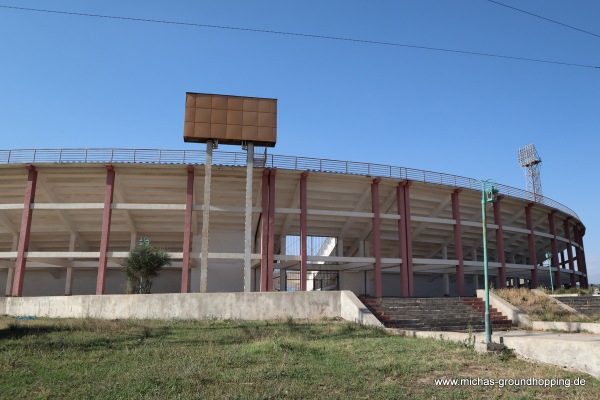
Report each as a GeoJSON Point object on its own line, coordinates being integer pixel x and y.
{"type": "Point", "coordinates": [444, 252]}
{"type": "Point", "coordinates": [271, 242]}
{"type": "Point", "coordinates": [187, 231]}
{"type": "Point", "coordinates": [474, 253]}
{"type": "Point", "coordinates": [248, 218]}
{"type": "Point", "coordinates": [531, 241]}
{"type": "Point", "coordinates": [106, 220]}
{"type": "Point", "coordinates": [446, 279]}
{"type": "Point", "coordinates": [264, 232]}
{"type": "Point", "coordinates": [206, 216]}
{"type": "Point", "coordinates": [303, 230]}
{"type": "Point", "coordinates": [554, 250]}
{"type": "Point", "coordinates": [24, 233]}
{"type": "Point", "coordinates": [570, 252]}
{"type": "Point", "coordinates": [340, 247]}
{"type": "Point", "coordinates": [69, 277]}
{"type": "Point", "coordinates": [407, 261]}
{"type": "Point", "coordinates": [376, 236]}
{"type": "Point", "coordinates": [402, 245]}
{"type": "Point", "coordinates": [362, 245]}
{"type": "Point", "coordinates": [282, 280]}
{"type": "Point", "coordinates": [476, 281]}
{"type": "Point", "coordinates": [460, 268]}
{"type": "Point", "coordinates": [500, 255]}
{"type": "Point", "coordinates": [409, 249]}
{"type": "Point", "coordinates": [11, 270]}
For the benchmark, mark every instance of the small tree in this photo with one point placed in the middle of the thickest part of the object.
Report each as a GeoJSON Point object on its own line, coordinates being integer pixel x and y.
{"type": "Point", "coordinates": [142, 265]}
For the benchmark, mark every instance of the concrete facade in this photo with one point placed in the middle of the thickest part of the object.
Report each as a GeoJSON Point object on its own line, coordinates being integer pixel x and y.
{"type": "Point", "coordinates": [397, 231]}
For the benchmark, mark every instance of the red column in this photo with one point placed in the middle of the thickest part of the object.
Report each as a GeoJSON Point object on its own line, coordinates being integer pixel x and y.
{"type": "Point", "coordinates": [24, 234]}
{"type": "Point", "coordinates": [303, 230]}
{"type": "Point", "coordinates": [458, 249]}
{"type": "Point", "coordinates": [581, 264]}
{"type": "Point", "coordinates": [500, 244]}
{"type": "Point", "coordinates": [578, 255]}
{"type": "Point", "coordinates": [106, 218]}
{"type": "Point", "coordinates": [376, 236]}
{"type": "Point", "coordinates": [264, 233]}
{"type": "Point", "coordinates": [187, 231]}
{"type": "Point", "coordinates": [400, 190]}
{"type": "Point", "coordinates": [570, 252]}
{"type": "Point", "coordinates": [409, 252]}
{"type": "Point", "coordinates": [271, 245]}
{"type": "Point", "coordinates": [554, 249]}
{"type": "Point", "coordinates": [531, 240]}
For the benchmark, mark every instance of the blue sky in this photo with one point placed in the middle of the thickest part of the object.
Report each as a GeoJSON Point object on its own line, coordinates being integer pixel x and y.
{"type": "Point", "coordinates": [74, 81]}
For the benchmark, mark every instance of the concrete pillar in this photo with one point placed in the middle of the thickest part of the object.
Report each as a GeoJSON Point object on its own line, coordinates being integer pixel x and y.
{"type": "Point", "coordinates": [24, 233]}
{"type": "Point", "coordinates": [476, 281]}
{"type": "Point", "coordinates": [105, 236]}
{"type": "Point", "coordinates": [271, 242]}
{"type": "Point", "coordinates": [402, 240]}
{"type": "Point", "coordinates": [409, 247]}
{"type": "Point", "coordinates": [206, 215]}
{"type": "Point", "coordinates": [69, 277]}
{"type": "Point", "coordinates": [474, 253]}
{"type": "Point", "coordinates": [247, 217]}
{"type": "Point", "coordinates": [500, 255]}
{"type": "Point", "coordinates": [376, 236]}
{"type": "Point", "coordinates": [405, 235]}
{"type": "Point", "coordinates": [340, 247]}
{"type": "Point", "coordinates": [11, 270]}
{"type": "Point", "coordinates": [531, 241]}
{"type": "Point", "coordinates": [362, 247]}
{"type": "Point", "coordinates": [554, 250]}
{"type": "Point", "coordinates": [264, 232]}
{"type": "Point", "coordinates": [282, 280]}
{"type": "Point", "coordinates": [303, 230]}
{"type": "Point", "coordinates": [187, 231]}
{"type": "Point", "coordinates": [460, 269]}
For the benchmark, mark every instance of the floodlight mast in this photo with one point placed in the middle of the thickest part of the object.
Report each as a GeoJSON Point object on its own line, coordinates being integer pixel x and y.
{"type": "Point", "coordinates": [532, 166]}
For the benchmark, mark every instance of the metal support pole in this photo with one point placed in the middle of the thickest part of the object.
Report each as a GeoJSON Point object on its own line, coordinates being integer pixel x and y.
{"type": "Point", "coordinates": [488, 322]}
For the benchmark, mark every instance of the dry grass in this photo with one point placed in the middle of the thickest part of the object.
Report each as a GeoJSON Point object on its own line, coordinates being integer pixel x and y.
{"type": "Point", "coordinates": [539, 308]}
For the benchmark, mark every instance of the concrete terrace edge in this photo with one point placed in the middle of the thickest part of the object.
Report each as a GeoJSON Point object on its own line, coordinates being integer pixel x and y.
{"type": "Point", "coordinates": [511, 312]}
{"type": "Point", "coordinates": [561, 350]}
{"type": "Point", "coordinates": [243, 306]}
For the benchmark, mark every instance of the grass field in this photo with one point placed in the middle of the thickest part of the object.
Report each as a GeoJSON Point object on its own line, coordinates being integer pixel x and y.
{"type": "Point", "coordinates": [82, 359]}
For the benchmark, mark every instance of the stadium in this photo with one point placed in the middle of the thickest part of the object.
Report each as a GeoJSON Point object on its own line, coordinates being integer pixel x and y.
{"type": "Point", "coordinates": [251, 221]}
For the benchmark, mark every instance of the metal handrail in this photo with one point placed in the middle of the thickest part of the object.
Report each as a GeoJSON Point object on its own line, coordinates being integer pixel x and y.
{"type": "Point", "coordinates": [237, 159]}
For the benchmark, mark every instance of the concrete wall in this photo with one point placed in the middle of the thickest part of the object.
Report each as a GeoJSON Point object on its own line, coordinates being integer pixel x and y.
{"type": "Point", "coordinates": [547, 347]}
{"type": "Point", "coordinates": [244, 306]}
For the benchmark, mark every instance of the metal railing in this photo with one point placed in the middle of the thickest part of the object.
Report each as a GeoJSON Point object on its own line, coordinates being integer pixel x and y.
{"type": "Point", "coordinates": [238, 159]}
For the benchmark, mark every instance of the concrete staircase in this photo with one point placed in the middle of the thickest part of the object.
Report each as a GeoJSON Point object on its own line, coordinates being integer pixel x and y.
{"type": "Point", "coordinates": [588, 305]}
{"type": "Point", "coordinates": [434, 314]}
